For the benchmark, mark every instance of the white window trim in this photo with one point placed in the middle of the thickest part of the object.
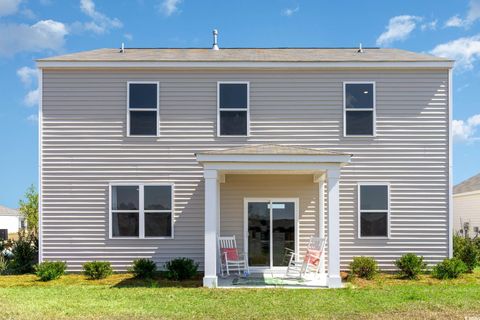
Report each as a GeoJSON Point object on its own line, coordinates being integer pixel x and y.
{"type": "Point", "coordinates": [374, 109]}
{"type": "Point", "coordinates": [359, 211]}
{"type": "Point", "coordinates": [233, 109]}
{"type": "Point", "coordinates": [143, 109]}
{"type": "Point", "coordinates": [141, 211]}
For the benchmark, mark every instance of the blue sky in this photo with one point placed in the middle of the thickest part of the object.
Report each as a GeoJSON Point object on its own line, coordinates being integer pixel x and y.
{"type": "Point", "coordinates": [31, 29]}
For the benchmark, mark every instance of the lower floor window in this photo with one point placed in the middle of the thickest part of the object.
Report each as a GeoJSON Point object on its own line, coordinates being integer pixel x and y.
{"type": "Point", "coordinates": [141, 211]}
{"type": "Point", "coordinates": [373, 209]}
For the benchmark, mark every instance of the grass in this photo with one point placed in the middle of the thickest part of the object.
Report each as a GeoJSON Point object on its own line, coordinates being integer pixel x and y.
{"type": "Point", "coordinates": [122, 297]}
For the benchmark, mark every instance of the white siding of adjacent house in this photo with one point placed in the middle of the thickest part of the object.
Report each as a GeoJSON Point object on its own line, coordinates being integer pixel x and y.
{"type": "Point", "coordinates": [84, 147]}
{"type": "Point", "coordinates": [466, 208]}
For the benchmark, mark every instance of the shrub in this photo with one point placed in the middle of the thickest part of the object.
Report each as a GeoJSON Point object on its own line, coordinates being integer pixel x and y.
{"type": "Point", "coordinates": [459, 243]}
{"type": "Point", "coordinates": [410, 265]}
{"type": "Point", "coordinates": [24, 254]}
{"type": "Point", "coordinates": [50, 270]}
{"type": "Point", "coordinates": [97, 269]}
{"type": "Point", "coordinates": [363, 267]}
{"type": "Point", "coordinates": [449, 269]}
{"type": "Point", "coordinates": [181, 269]}
{"type": "Point", "coordinates": [467, 251]}
{"type": "Point", "coordinates": [143, 268]}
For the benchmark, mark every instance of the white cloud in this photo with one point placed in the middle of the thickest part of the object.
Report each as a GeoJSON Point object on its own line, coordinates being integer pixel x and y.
{"type": "Point", "coordinates": [33, 118]}
{"type": "Point", "coordinates": [290, 11]}
{"type": "Point", "coordinates": [169, 7]}
{"type": "Point", "coordinates": [473, 15]}
{"type": "Point", "coordinates": [464, 131]}
{"type": "Point", "coordinates": [27, 75]}
{"type": "Point", "coordinates": [100, 23]}
{"type": "Point", "coordinates": [465, 51]}
{"type": "Point", "coordinates": [128, 36]}
{"type": "Point", "coordinates": [8, 7]}
{"type": "Point", "coordinates": [399, 28]}
{"type": "Point", "coordinates": [43, 35]}
{"type": "Point", "coordinates": [432, 25]}
{"type": "Point", "coordinates": [31, 98]}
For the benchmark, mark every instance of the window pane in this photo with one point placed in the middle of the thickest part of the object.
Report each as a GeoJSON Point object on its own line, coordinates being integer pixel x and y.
{"type": "Point", "coordinates": [373, 198]}
{"type": "Point", "coordinates": [143, 123]}
{"type": "Point", "coordinates": [125, 224]}
{"type": "Point", "coordinates": [233, 123]}
{"type": "Point", "coordinates": [158, 197]}
{"type": "Point", "coordinates": [233, 95]}
{"type": "Point", "coordinates": [143, 95]}
{"type": "Point", "coordinates": [359, 95]}
{"type": "Point", "coordinates": [158, 224]}
{"type": "Point", "coordinates": [374, 224]}
{"type": "Point", "coordinates": [359, 122]}
{"type": "Point", "coordinates": [125, 198]}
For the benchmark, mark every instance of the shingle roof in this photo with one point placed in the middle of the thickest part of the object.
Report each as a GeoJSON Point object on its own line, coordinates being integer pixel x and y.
{"type": "Point", "coordinates": [4, 211]}
{"type": "Point", "coordinates": [469, 185]}
{"type": "Point", "coordinates": [273, 149]}
{"type": "Point", "coordinates": [248, 55]}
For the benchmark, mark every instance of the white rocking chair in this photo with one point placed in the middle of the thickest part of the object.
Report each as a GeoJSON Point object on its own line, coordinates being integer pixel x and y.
{"type": "Point", "coordinates": [230, 259]}
{"type": "Point", "coordinates": [311, 260]}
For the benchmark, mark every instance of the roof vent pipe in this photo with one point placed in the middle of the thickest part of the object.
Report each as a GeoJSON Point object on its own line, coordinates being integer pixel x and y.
{"type": "Point", "coordinates": [360, 49]}
{"type": "Point", "coordinates": [215, 39]}
{"type": "Point", "coordinates": [122, 49]}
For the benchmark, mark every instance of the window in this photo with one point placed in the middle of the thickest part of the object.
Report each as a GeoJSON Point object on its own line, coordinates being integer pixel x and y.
{"type": "Point", "coordinates": [359, 107]}
{"type": "Point", "coordinates": [142, 113]}
{"type": "Point", "coordinates": [373, 209]}
{"type": "Point", "coordinates": [141, 211]}
{"type": "Point", "coordinates": [233, 105]}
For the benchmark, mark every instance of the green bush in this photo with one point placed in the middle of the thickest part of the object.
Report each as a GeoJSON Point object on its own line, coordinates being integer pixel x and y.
{"type": "Point", "coordinates": [50, 270]}
{"type": "Point", "coordinates": [410, 265]}
{"type": "Point", "coordinates": [181, 269]}
{"type": "Point", "coordinates": [143, 268]}
{"type": "Point", "coordinates": [97, 269]}
{"type": "Point", "coordinates": [24, 254]}
{"type": "Point", "coordinates": [459, 243]}
{"type": "Point", "coordinates": [449, 269]}
{"type": "Point", "coordinates": [466, 250]}
{"type": "Point", "coordinates": [363, 267]}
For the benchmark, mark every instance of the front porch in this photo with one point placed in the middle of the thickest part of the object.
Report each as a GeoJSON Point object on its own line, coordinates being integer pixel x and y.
{"type": "Point", "coordinates": [247, 187]}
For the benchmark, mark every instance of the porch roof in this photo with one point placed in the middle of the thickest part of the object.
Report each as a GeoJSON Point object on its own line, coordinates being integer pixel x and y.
{"type": "Point", "coordinates": [274, 153]}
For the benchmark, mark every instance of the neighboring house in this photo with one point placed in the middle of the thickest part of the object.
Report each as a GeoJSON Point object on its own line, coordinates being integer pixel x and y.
{"type": "Point", "coordinates": [466, 207]}
{"type": "Point", "coordinates": [11, 219]}
{"type": "Point", "coordinates": [155, 152]}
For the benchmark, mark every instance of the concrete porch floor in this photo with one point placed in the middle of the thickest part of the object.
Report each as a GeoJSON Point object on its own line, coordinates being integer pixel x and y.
{"type": "Point", "coordinates": [269, 279]}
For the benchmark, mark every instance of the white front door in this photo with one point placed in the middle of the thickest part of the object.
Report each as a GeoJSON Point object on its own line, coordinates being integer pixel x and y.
{"type": "Point", "coordinates": [271, 231]}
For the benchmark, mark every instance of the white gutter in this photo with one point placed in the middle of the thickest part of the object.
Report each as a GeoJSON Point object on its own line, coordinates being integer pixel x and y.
{"type": "Point", "coordinates": [241, 64]}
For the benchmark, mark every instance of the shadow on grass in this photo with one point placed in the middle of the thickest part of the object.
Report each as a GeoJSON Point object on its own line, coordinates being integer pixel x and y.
{"type": "Point", "coordinates": [159, 281]}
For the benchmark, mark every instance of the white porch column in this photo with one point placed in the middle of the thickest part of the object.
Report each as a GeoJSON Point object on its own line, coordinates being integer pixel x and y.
{"type": "Point", "coordinates": [334, 280]}
{"type": "Point", "coordinates": [321, 218]}
{"type": "Point", "coordinates": [211, 227]}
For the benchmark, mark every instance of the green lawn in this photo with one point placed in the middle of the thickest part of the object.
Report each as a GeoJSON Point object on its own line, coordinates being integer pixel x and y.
{"type": "Point", "coordinates": [120, 297]}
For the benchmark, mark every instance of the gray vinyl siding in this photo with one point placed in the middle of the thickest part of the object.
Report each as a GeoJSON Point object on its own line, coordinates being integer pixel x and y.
{"type": "Point", "coordinates": [84, 147]}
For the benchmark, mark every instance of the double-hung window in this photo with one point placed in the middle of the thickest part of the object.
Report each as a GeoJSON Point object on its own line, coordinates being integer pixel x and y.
{"type": "Point", "coordinates": [373, 208]}
{"type": "Point", "coordinates": [141, 211]}
{"type": "Point", "coordinates": [233, 105]}
{"type": "Point", "coordinates": [142, 105]}
{"type": "Point", "coordinates": [359, 108]}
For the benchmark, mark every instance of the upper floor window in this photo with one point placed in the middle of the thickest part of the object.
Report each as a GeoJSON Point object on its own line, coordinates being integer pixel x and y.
{"type": "Point", "coordinates": [141, 211]}
{"type": "Point", "coordinates": [359, 108]}
{"type": "Point", "coordinates": [233, 105]}
{"type": "Point", "coordinates": [142, 113]}
{"type": "Point", "coordinates": [373, 208]}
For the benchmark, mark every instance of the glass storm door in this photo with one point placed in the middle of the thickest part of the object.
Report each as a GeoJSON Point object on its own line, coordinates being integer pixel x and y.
{"type": "Point", "coordinates": [271, 232]}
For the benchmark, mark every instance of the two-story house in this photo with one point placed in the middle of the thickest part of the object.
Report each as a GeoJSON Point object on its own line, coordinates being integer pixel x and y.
{"type": "Point", "coordinates": [155, 152]}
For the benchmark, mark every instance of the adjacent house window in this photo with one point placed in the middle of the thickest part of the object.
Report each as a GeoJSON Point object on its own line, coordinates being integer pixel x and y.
{"type": "Point", "coordinates": [233, 105]}
{"type": "Point", "coordinates": [373, 209]}
{"type": "Point", "coordinates": [142, 113]}
{"type": "Point", "coordinates": [359, 108]}
{"type": "Point", "coordinates": [141, 211]}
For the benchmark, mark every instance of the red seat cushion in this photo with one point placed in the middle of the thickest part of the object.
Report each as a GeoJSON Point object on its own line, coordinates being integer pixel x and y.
{"type": "Point", "coordinates": [231, 253]}
{"type": "Point", "coordinates": [312, 257]}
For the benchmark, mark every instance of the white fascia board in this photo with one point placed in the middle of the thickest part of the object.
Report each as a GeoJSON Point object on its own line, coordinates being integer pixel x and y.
{"type": "Point", "coordinates": [242, 64]}
{"type": "Point", "coordinates": [263, 166]}
{"type": "Point", "coordinates": [467, 194]}
{"type": "Point", "coordinates": [274, 158]}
